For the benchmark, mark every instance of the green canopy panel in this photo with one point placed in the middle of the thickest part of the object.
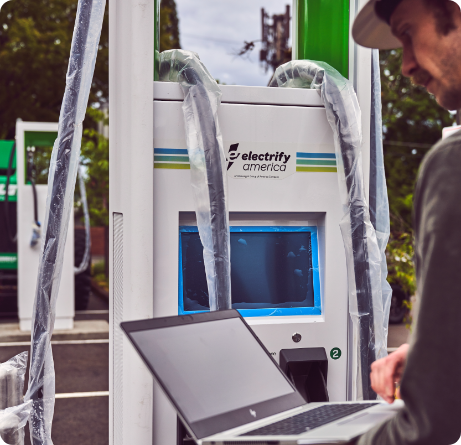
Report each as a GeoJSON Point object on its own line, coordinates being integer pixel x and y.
{"type": "Point", "coordinates": [5, 151]}
{"type": "Point", "coordinates": [39, 138]}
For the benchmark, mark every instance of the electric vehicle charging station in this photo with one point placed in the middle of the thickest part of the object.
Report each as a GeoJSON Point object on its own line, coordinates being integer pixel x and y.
{"type": "Point", "coordinates": [28, 135]}
{"type": "Point", "coordinates": [152, 208]}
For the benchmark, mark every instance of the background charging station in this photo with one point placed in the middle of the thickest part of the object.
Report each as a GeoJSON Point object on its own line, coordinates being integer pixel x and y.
{"type": "Point", "coordinates": [37, 135]}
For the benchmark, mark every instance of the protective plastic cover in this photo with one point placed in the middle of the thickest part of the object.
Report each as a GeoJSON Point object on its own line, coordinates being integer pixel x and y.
{"type": "Point", "coordinates": [86, 215]}
{"type": "Point", "coordinates": [379, 202]}
{"type": "Point", "coordinates": [208, 166]}
{"type": "Point", "coordinates": [12, 423]}
{"type": "Point", "coordinates": [12, 375]}
{"type": "Point", "coordinates": [363, 254]}
{"type": "Point", "coordinates": [61, 184]}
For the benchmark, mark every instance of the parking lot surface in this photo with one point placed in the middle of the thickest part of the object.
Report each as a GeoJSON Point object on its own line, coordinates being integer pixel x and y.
{"type": "Point", "coordinates": [81, 415]}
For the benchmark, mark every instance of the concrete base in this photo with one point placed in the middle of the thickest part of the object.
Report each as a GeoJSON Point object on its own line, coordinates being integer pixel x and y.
{"type": "Point", "coordinates": [83, 330]}
{"type": "Point", "coordinates": [25, 324]}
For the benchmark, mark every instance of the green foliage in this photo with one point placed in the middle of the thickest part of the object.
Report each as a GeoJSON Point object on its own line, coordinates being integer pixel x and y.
{"type": "Point", "coordinates": [169, 26]}
{"type": "Point", "coordinates": [412, 123]}
{"type": "Point", "coordinates": [98, 274]}
{"type": "Point", "coordinates": [399, 254]}
{"type": "Point", "coordinates": [95, 157]}
{"type": "Point", "coordinates": [35, 39]}
{"type": "Point", "coordinates": [98, 268]}
{"type": "Point", "coordinates": [41, 160]}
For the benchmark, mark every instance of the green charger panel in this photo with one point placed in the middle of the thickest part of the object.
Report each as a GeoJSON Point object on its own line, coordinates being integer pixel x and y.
{"type": "Point", "coordinates": [323, 32]}
{"type": "Point", "coordinates": [5, 152]}
{"type": "Point", "coordinates": [43, 142]}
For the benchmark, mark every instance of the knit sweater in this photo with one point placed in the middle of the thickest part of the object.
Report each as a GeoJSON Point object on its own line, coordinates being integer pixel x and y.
{"type": "Point", "coordinates": [431, 383]}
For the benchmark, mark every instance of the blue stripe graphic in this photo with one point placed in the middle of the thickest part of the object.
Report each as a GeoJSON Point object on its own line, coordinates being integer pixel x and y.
{"type": "Point", "coordinates": [316, 155]}
{"type": "Point", "coordinates": [170, 151]}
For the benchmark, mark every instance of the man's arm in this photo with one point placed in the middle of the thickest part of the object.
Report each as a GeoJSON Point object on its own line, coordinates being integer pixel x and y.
{"type": "Point", "coordinates": [431, 383]}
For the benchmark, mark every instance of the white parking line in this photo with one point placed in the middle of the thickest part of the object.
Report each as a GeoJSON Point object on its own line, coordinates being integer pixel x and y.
{"type": "Point", "coordinates": [73, 395]}
{"type": "Point", "coordinates": [93, 312]}
{"type": "Point", "coordinates": [59, 342]}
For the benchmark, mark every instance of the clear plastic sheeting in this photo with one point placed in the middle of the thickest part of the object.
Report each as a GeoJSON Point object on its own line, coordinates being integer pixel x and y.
{"type": "Point", "coordinates": [363, 255]}
{"type": "Point", "coordinates": [86, 215]}
{"type": "Point", "coordinates": [12, 423]}
{"type": "Point", "coordinates": [61, 184]}
{"type": "Point", "coordinates": [208, 166]}
{"type": "Point", "coordinates": [12, 375]}
{"type": "Point", "coordinates": [379, 203]}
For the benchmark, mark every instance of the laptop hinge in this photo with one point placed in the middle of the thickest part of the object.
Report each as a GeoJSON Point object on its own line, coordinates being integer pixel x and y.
{"type": "Point", "coordinates": [182, 436]}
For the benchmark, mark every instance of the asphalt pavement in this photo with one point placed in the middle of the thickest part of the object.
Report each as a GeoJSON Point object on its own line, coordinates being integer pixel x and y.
{"type": "Point", "coordinates": [81, 414]}
{"type": "Point", "coordinates": [398, 335]}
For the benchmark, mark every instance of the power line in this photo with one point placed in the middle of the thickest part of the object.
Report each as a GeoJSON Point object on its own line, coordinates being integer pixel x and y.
{"type": "Point", "coordinates": [194, 36]}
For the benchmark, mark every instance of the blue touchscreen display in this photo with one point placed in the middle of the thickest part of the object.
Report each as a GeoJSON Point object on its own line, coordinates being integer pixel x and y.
{"type": "Point", "coordinates": [274, 271]}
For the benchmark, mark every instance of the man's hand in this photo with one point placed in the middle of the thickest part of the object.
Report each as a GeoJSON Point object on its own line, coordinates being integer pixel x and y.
{"type": "Point", "coordinates": [388, 371]}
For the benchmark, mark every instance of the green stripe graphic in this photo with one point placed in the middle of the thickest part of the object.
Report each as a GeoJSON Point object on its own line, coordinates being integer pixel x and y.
{"type": "Point", "coordinates": [172, 158]}
{"type": "Point", "coordinates": [172, 166]}
{"type": "Point", "coordinates": [8, 261]}
{"type": "Point", "coordinates": [310, 162]}
{"type": "Point", "coordinates": [317, 169]}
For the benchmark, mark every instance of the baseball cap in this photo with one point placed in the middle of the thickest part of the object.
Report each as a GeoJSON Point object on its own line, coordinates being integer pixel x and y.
{"type": "Point", "coordinates": [372, 25]}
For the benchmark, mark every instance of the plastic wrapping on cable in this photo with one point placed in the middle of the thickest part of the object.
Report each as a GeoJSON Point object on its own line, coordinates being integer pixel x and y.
{"type": "Point", "coordinates": [61, 183]}
{"type": "Point", "coordinates": [86, 214]}
{"type": "Point", "coordinates": [208, 166]}
{"type": "Point", "coordinates": [363, 256]}
{"type": "Point", "coordinates": [12, 375]}
{"type": "Point", "coordinates": [12, 423]}
{"type": "Point", "coordinates": [379, 203]}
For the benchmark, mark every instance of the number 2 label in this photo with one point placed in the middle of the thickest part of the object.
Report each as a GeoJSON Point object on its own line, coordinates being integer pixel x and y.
{"type": "Point", "coordinates": [335, 353]}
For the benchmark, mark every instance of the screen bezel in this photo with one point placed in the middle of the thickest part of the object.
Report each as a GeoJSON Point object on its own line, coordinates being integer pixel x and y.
{"type": "Point", "coordinates": [232, 419]}
{"type": "Point", "coordinates": [272, 312]}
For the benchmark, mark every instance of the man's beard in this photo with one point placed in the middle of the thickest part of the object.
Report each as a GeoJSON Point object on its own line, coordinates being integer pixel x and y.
{"type": "Point", "coordinates": [421, 77]}
{"type": "Point", "coordinates": [447, 97]}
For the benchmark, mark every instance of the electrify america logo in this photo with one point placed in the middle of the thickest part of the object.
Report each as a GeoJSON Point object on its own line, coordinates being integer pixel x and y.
{"type": "Point", "coordinates": [233, 155]}
{"type": "Point", "coordinates": [266, 164]}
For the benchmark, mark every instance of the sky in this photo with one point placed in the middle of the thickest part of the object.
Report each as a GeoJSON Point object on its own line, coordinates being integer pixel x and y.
{"type": "Point", "coordinates": [216, 29]}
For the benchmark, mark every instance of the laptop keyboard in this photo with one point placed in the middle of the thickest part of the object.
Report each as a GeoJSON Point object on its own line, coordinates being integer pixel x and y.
{"type": "Point", "coordinates": [309, 420]}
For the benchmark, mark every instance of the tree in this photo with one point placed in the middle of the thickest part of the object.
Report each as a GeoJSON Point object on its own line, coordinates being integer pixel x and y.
{"type": "Point", "coordinates": [35, 39]}
{"type": "Point", "coordinates": [169, 26]}
{"type": "Point", "coordinates": [412, 123]}
{"type": "Point", "coordinates": [95, 159]}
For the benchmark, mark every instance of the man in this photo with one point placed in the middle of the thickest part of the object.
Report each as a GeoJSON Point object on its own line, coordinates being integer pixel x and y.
{"type": "Point", "coordinates": [429, 31]}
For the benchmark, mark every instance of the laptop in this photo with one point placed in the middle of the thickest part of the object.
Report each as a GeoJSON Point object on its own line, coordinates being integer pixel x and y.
{"type": "Point", "coordinates": [227, 389]}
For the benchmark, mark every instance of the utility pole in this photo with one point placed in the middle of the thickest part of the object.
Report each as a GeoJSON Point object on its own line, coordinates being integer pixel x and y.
{"type": "Point", "coordinates": [275, 37]}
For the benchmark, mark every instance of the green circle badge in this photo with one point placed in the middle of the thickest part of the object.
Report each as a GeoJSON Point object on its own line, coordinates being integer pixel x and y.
{"type": "Point", "coordinates": [335, 353]}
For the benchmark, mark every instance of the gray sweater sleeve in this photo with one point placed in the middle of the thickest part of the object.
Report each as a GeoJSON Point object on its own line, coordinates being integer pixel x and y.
{"type": "Point", "coordinates": [431, 384]}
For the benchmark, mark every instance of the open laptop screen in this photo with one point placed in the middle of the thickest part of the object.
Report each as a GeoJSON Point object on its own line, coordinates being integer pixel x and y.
{"type": "Point", "coordinates": [211, 368]}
